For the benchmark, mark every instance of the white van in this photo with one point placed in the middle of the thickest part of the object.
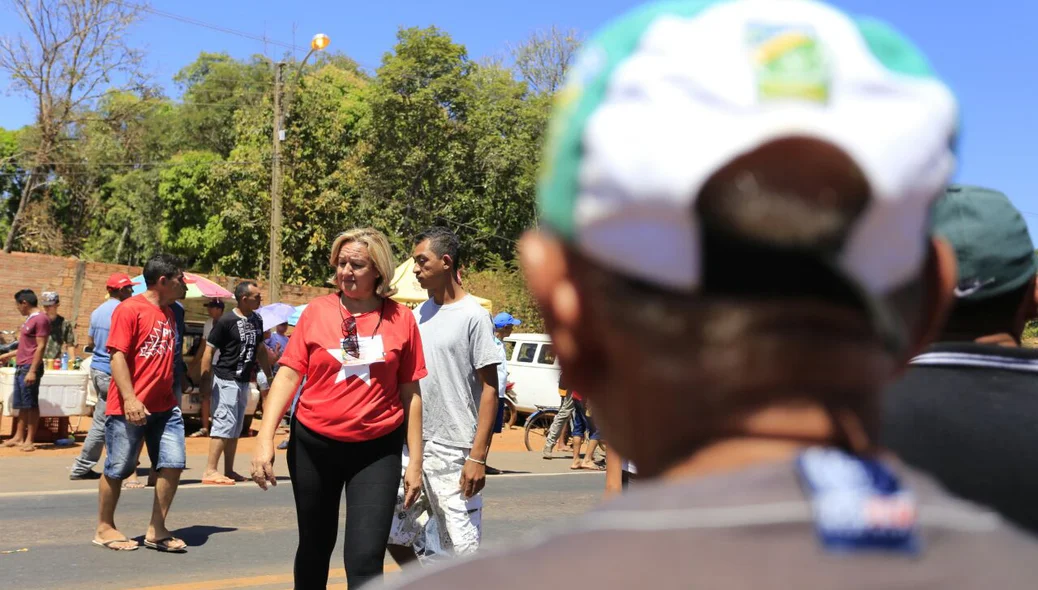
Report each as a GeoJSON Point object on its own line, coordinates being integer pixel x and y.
{"type": "Point", "coordinates": [533, 370]}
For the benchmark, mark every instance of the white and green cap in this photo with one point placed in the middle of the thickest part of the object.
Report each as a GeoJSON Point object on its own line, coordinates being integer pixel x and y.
{"type": "Point", "coordinates": [666, 96]}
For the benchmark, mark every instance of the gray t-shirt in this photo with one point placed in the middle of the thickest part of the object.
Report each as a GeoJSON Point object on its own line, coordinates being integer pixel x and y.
{"type": "Point", "coordinates": [752, 529]}
{"type": "Point", "coordinates": [457, 340]}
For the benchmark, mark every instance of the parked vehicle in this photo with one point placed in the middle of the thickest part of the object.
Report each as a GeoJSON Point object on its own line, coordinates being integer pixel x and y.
{"type": "Point", "coordinates": [533, 371]}
{"type": "Point", "coordinates": [191, 402]}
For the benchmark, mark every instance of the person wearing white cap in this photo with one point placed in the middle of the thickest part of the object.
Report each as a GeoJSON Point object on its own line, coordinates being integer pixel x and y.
{"type": "Point", "coordinates": [735, 228]}
{"type": "Point", "coordinates": [62, 332]}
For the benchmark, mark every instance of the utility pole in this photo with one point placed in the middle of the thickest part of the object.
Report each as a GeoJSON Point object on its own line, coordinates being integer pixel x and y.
{"type": "Point", "coordinates": [275, 188]}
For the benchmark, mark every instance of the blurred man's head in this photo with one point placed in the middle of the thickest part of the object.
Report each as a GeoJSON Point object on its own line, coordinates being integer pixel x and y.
{"type": "Point", "coordinates": [282, 328]}
{"type": "Point", "coordinates": [164, 275]}
{"type": "Point", "coordinates": [50, 301]}
{"type": "Point", "coordinates": [248, 296]}
{"type": "Point", "coordinates": [504, 323]}
{"type": "Point", "coordinates": [995, 295]}
{"type": "Point", "coordinates": [214, 307]}
{"type": "Point", "coordinates": [120, 286]}
{"type": "Point", "coordinates": [436, 255]}
{"type": "Point", "coordinates": [741, 233]}
{"type": "Point", "coordinates": [26, 301]}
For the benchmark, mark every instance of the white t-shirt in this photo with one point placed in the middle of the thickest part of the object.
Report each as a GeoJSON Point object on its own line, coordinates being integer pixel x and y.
{"type": "Point", "coordinates": [457, 339]}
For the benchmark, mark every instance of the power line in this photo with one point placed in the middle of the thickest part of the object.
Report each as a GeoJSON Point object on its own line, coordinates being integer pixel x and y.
{"type": "Point", "coordinates": [214, 27]}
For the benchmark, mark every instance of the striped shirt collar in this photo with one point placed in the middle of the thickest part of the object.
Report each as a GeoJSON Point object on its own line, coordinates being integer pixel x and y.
{"type": "Point", "coordinates": [983, 356]}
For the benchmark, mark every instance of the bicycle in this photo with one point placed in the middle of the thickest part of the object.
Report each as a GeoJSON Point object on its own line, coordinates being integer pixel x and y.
{"type": "Point", "coordinates": [538, 425]}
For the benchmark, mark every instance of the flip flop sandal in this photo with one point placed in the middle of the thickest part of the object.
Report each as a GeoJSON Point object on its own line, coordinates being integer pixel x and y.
{"type": "Point", "coordinates": [108, 545]}
{"type": "Point", "coordinates": [163, 545]}
{"type": "Point", "coordinates": [133, 485]}
{"type": "Point", "coordinates": [218, 482]}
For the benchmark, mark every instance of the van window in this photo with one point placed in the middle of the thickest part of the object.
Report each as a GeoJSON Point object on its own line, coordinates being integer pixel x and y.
{"type": "Point", "coordinates": [527, 352]}
{"type": "Point", "coordinates": [509, 347]}
{"type": "Point", "coordinates": [547, 355]}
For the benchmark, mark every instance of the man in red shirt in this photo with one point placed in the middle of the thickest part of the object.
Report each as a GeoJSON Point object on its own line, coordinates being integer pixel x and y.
{"type": "Point", "coordinates": [32, 339]}
{"type": "Point", "coordinates": [142, 406]}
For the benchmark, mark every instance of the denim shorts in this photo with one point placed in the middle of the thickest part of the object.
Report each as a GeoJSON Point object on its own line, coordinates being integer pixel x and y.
{"type": "Point", "coordinates": [26, 397]}
{"type": "Point", "coordinates": [163, 434]}
{"type": "Point", "coordinates": [582, 424]}
{"type": "Point", "coordinates": [228, 404]}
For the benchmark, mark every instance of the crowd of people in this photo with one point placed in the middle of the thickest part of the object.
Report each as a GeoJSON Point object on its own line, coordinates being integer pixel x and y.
{"type": "Point", "coordinates": [753, 269]}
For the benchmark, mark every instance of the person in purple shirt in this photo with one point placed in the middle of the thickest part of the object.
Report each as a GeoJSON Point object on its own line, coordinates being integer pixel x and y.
{"type": "Point", "coordinates": [32, 339]}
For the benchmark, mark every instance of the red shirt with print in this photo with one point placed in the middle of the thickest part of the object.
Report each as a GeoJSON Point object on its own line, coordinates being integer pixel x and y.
{"type": "Point", "coordinates": [356, 400]}
{"type": "Point", "coordinates": [146, 334]}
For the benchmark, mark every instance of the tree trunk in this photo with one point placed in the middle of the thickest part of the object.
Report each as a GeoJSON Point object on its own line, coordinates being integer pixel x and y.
{"type": "Point", "coordinates": [30, 186]}
{"type": "Point", "coordinates": [122, 241]}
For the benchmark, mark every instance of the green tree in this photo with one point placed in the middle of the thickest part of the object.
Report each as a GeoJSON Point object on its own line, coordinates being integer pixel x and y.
{"type": "Point", "coordinates": [415, 149]}
{"type": "Point", "coordinates": [215, 87]}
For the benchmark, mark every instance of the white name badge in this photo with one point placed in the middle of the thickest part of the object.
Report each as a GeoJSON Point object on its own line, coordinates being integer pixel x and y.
{"type": "Point", "coordinates": [371, 351]}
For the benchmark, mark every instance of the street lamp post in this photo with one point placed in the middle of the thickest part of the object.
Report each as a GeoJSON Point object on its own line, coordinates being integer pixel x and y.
{"type": "Point", "coordinates": [318, 43]}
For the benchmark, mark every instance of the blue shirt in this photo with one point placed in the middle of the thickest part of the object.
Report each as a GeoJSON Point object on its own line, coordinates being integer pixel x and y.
{"type": "Point", "coordinates": [100, 324]}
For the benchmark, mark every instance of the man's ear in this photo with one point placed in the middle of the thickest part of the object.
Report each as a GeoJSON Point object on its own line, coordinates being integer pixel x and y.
{"type": "Point", "coordinates": [545, 265]}
{"type": "Point", "coordinates": [939, 279]}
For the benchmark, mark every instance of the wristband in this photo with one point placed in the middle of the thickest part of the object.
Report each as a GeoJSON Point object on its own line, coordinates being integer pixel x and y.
{"type": "Point", "coordinates": [470, 458]}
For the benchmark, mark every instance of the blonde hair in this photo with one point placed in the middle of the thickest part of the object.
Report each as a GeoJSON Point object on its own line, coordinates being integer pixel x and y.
{"type": "Point", "coordinates": [379, 250]}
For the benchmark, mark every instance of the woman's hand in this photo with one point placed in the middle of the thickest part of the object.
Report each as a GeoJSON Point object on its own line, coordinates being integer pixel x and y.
{"type": "Point", "coordinates": [412, 483]}
{"type": "Point", "coordinates": [263, 464]}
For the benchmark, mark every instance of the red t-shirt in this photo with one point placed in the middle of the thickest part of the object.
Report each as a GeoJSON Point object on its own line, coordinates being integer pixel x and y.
{"type": "Point", "coordinates": [356, 400]}
{"type": "Point", "coordinates": [146, 334]}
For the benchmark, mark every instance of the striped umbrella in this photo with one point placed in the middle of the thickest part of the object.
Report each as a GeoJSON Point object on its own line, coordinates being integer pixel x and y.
{"type": "Point", "coordinates": [198, 287]}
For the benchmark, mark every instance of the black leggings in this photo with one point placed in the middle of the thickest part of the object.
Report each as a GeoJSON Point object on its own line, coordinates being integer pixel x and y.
{"type": "Point", "coordinates": [370, 471]}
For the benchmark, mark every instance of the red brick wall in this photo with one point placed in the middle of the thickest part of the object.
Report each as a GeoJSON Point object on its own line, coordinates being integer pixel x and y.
{"type": "Point", "coordinates": [41, 273]}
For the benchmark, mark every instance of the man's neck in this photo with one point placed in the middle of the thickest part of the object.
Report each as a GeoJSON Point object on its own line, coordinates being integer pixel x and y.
{"type": "Point", "coordinates": [451, 293]}
{"type": "Point", "coordinates": [32, 310]}
{"type": "Point", "coordinates": [1001, 339]}
{"type": "Point", "coordinates": [154, 298]}
{"type": "Point", "coordinates": [238, 312]}
{"type": "Point", "coordinates": [771, 435]}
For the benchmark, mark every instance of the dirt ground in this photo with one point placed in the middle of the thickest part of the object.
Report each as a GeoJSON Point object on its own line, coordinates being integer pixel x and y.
{"type": "Point", "coordinates": [509, 440]}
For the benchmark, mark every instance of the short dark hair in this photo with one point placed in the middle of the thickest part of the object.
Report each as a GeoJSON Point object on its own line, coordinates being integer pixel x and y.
{"type": "Point", "coordinates": [26, 296]}
{"type": "Point", "coordinates": [161, 265]}
{"type": "Point", "coordinates": [242, 289]}
{"type": "Point", "coordinates": [443, 242]}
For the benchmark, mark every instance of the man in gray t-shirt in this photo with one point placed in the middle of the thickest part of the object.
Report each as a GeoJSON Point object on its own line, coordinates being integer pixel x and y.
{"type": "Point", "coordinates": [734, 259]}
{"type": "Point", "coordinates": [459, 406]}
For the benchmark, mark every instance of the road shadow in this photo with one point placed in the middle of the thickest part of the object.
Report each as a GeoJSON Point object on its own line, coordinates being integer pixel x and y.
{"type": "Point", "coordinates": [198, 535]}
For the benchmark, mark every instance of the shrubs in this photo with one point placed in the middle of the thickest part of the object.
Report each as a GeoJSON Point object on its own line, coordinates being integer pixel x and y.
{"type": "Point", "coordinates": [504, 285]}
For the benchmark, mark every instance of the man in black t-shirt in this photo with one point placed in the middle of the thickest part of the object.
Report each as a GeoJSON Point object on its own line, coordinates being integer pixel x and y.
{"type": "Point", "coordinates": [966, 409]}
{"type": "Point", "coordinates": [238, 336]}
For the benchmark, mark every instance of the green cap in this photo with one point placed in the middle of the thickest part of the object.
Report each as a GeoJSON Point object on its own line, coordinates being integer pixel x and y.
{"type": "Point", "coordinates": [992, 245]}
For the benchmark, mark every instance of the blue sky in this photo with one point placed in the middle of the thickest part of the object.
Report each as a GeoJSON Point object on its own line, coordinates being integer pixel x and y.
{"type": "Point", "coordinates": [984, 51]}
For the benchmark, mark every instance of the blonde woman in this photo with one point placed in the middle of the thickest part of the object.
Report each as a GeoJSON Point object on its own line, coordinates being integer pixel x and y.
{"type": "Point", "coordinates": [361, 355]}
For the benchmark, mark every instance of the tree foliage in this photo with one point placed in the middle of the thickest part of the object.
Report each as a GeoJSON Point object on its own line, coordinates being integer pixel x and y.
{"type": "Point", "coordinates": [430, 137]}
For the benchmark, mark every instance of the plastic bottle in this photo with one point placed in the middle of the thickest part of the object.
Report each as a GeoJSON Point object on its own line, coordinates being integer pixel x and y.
{"type": "Point", "coordinates": [64, 361]}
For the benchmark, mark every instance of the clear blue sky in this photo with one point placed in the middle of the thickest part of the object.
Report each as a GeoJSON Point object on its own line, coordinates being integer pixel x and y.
{"type": "Point", "coordinates": [985, 51]}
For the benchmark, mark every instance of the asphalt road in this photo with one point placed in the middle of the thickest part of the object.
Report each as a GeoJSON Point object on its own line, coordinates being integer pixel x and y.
{"type": "Point", "coordinates": [238, 537]}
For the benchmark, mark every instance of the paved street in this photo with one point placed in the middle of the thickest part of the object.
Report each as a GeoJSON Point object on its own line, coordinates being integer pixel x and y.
{"type": "Point", "coordinates": [239, 537]}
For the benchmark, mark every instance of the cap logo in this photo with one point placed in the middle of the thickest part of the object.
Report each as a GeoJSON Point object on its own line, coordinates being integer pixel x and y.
{"type": "Point", "coordinates": [789, 61]}
{"type": "Point", "coordinates": [968, 287]}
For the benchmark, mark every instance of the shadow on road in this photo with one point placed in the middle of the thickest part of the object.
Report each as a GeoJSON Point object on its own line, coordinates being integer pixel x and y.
{"type": "Point", "coordinates": [198, 535]}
